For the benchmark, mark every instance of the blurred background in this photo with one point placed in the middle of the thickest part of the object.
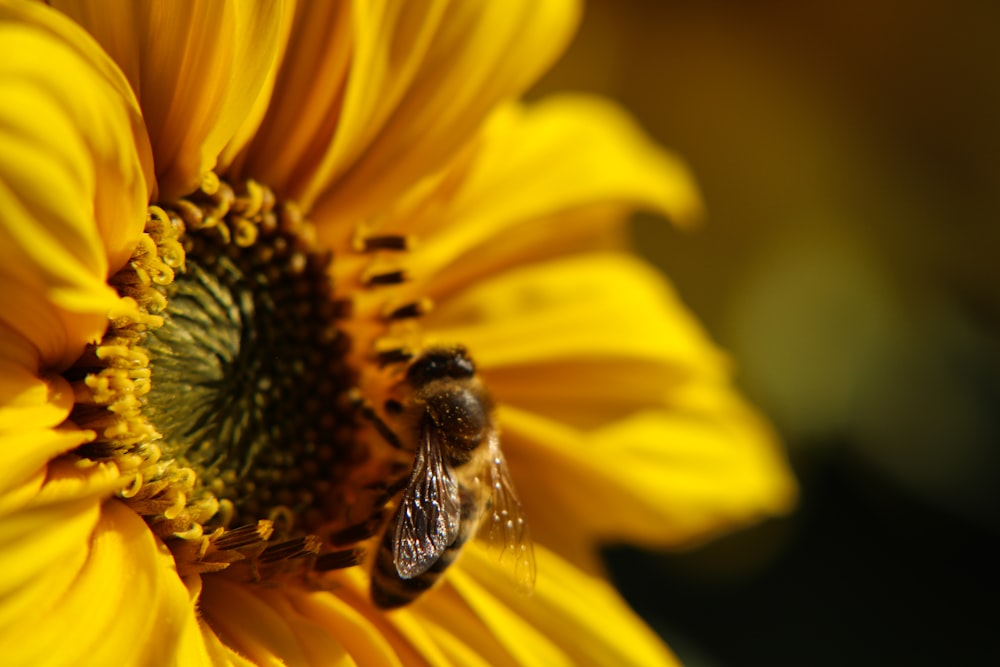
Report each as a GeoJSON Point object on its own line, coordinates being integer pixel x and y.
{"type": "Point", "coordinates": [849, 156]}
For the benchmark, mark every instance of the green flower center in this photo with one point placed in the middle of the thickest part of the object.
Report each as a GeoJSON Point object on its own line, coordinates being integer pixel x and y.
{"type": "Point", "coordinates": [249, 371]}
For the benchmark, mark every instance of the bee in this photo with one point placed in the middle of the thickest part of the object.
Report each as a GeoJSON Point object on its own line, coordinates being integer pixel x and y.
{"type": "Point", "coordinates": [458, 488]}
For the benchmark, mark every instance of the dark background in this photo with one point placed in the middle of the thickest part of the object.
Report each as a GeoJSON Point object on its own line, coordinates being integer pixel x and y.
{"type": "Point", "coordinates": [849, 157]}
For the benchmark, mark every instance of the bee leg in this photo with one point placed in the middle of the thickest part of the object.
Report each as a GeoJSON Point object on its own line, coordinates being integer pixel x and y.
{"type": "Point", "coordinates": [363, 530]}
{"type": "Point", "coordinates": [338, 560]}
{"type": "Point", "coordinates": [358, 532]}
{"type": "Point", "coordinates": [364, 408]}
{"type": "Point", "coordinates": [388, 489]}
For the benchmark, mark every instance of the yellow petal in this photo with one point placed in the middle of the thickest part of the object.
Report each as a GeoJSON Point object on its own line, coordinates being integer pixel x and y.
{"type": "Point", "coordinates": [30, 410]}
{"type": "Point", "coordinates": [73, 187]}
{"type": "Point", "coordinates": [219, 653]}
{"type": "Point", "coordinates": [569, 151]}
{"type": "Point", "coordinates": [254, 115]}
{"type": "Point", "coordinates": [256, 629]}
{"type": "Point", "coordinates": [27, 401]}
{"type": "Point", "coordinates": [121, 604]}
{"type": "Point", "coordinates": [583, 339]}
{"type": "Point", "coordinates": [403, 86]}
{"type": "Point", "coordinates": [44, 530]}
{"type": "Point", "coordinates": [437, 629]}
{"type": "Point", "coordinates": [661, 478]}
{"type": "Point", "coordinates": [304, 107]}
{"type": "Point", "coordinates": [474, 619]}
{"type": "Point", "coordinates": [535, 166]}
{"type": "Point", "coordinates": [572, 618]}
{"type": "Point", "coordinates": [197, 67]}
{"type": "Point", "coordinates": [26, 451]}
{"type": "Point", "coordinates": [367, 636]}
{"type": "Point", "coordinates": [293, 625]}
{"type": "Point", "coordinates": [472, 628]}
{"type": "Point", "coordinates": [594, 308]}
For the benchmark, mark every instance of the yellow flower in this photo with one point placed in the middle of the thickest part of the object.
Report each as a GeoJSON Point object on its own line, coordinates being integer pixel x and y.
{"type": "Point", "coordinates": [223, 227]}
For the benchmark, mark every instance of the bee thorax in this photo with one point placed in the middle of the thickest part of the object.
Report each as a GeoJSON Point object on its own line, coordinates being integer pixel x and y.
{"type": "Point", "coordinates": [462, 419]}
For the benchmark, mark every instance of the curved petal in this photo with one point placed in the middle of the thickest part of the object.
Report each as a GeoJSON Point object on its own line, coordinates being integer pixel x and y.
{"type": "Point", "coordinates": [369, 635]}
{"type": "Point", "coordinates": [662, 478]}
{"type": "Point", "coordinates": [40, 563]}
{"type": "Point", "coordinates": [219, 653]}
{"type": "Point", "coordinates": [73, 189]}
{"type": "Point", "coordinates": [405, 85]}
{"type": "Point", "coordinates": [586, 309]}
{"type": "Point", "coordinates": [197, 67]}
{"type": "Point", "coordinates": [544, 175]}
{"type": "Point", "coordinates": [261, 632]}
{"type": "Point", "coordinates": [254, 115]}
{"type": "Point", "coordinates": [30, 410]}
{"type": "Point", "coordinates": [293, 625]}
{"type": "Point", "coordinates": [567, 151]}
{"type": "Point", "coordinates": [541, 181]}
{"type": "Point", "coordinates": [476, 618]}
{"type": "Point", "coordinates": [572, 618]}
{"type": "Point", "coordinates": [330, 43]}
{"type": "Point", "coordinates": [114, 591]}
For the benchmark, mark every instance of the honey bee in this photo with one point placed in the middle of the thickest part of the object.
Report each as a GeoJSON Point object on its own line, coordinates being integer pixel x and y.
{"type": "Point", "coordinates": [459, 486]}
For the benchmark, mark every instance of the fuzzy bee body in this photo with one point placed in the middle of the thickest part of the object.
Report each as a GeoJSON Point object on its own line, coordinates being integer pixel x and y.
{"type": "Point", "coordinates": [458, 488]}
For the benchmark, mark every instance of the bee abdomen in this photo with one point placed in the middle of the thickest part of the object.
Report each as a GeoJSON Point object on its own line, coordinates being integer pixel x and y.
{"type": "Point", "coordinates": [390, 591]}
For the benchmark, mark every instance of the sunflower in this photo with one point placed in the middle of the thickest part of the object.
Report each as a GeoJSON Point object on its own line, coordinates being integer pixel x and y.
{"type": "Point", "coordinates": [227, 231]}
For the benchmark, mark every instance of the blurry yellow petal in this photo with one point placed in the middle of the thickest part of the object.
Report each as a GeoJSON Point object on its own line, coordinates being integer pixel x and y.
{"type": "Point", "coordinates": [73, 191]}
{"type": "Point", "coordinates": [420, 79]}
{"type": "Point", "coordinates": [121, 604]}
{"type": "Point", "coordinates": [583, 340]}
{"type": "Point", "coordinates": [571, 619]}
{"type": "Point", "coordinates": [197, 67]}
{"type": "Point", "coordinates": [590, 306]}
{"type": "Point", "coordinates": [532, 164]}
{"type": "Point", "coordinates": [664, 478]}
{"type": "Point", "coordinates": [568, 151]}
{"type": "Point", "coordinates": [724, 464]}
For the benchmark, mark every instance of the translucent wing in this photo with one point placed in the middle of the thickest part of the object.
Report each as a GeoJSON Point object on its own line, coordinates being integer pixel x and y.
{"type": "Point", "coordinates": [428, 514]}
{"type": "Point", "coordinates": [504, 530]}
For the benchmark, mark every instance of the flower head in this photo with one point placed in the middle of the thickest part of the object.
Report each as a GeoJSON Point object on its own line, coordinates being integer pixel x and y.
{"type": "Point", "coordinates": [230, 232]}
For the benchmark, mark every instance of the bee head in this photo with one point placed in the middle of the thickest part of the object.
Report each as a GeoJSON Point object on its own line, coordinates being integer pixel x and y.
{"type": "Point", "coordinates": [439, 363]}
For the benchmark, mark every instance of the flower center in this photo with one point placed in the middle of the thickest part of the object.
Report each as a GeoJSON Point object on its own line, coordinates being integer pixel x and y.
{"type": "Point", "coordinates": [226, 387]}
{"type": "Point", "coordinates": [249, 370]}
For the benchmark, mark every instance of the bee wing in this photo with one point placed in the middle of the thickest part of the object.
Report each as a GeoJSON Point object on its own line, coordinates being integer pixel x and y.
{"type": "Point", "coordinates": [429, 511]}
{"type": "Point", "coordinates": [504, 530]}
